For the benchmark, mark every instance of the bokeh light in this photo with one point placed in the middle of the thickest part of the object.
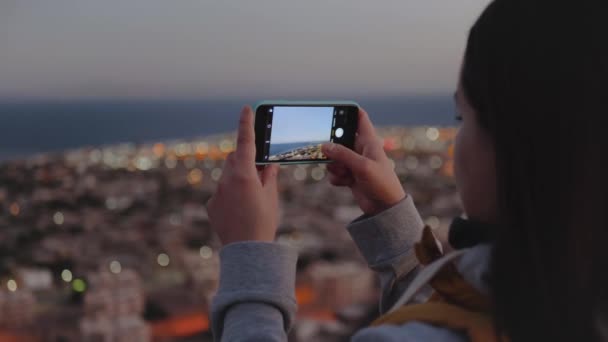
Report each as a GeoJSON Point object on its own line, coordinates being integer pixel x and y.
{"type": "Point", "coordinates": [14, 209]}
{"type": "Point", "coordinates": [11, 285]}
{"type": "Point", "coordinates": [163, 260]}
{"type": "Point", "coordinates": [195, 176]}
{"type": "Point", "coordinates": [411, 162]}
{"type": "Point", "coordinates": [317, 173]}
{"type": "Point", "coordinates": [216, 174]}
{"type": "Point", "coordinates": [58, 218]}
{"type": "Point", "coordinates": [115, 267]}
{"type": "Point", "coordinates": [79, 285]}
{"type": "Point", "coordinates": [435, 162]}
{"type": "Point", "coordinates": [206, 252]}
{"type": "Point", "coordinates": [66, 275]}
{"type": "Point", "coordinates": [299, 174]}
{"type": "Point", "coordinates": [432, 133]}
{"type": "Point", "coordinates": [170, 162]}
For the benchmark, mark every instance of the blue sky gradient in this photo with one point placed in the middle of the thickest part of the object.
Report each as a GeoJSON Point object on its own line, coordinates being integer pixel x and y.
{"type": "Point", "coordinates": [301, 124]}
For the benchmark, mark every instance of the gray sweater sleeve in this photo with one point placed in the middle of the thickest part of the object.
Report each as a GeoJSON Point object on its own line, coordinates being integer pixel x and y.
{"type": "Point", "coordinates": [256, 296]}
{"type": "Point", "coordinates": [386, 241]}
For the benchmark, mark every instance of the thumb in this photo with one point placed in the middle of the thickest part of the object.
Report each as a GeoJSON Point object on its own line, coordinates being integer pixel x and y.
{"type": "Point", "coordinates": [349, 158]}
{"type": "Point", "coordinates": [269, 176]}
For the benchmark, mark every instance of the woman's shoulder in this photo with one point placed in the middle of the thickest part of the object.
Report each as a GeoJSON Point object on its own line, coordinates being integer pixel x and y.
{"type": "Point", "coordinates": [413, 331]}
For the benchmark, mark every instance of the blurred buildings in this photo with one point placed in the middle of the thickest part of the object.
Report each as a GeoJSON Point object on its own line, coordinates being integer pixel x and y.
{"type": "Point", "coordinates": [114, 243]}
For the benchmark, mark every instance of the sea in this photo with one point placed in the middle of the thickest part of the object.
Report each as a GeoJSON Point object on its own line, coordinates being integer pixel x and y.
{"type": "Point", "coordinates": [31, 127]}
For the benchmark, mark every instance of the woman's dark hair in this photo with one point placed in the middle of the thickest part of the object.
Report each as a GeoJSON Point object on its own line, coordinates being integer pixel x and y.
{"type": "Point", "coordinates": [536, 73]}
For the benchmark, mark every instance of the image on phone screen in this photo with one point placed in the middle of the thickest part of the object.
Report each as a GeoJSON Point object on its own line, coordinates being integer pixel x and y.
{"type": "Point", "coordinates": [296, 133]}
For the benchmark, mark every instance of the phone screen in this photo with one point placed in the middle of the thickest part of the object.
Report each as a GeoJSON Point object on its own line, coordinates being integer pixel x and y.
{"type": "Point", "coordinates": [292, 134]}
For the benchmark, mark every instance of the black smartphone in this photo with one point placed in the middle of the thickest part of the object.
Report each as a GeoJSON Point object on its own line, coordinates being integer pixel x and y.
{"type": "Point", "coordinates": [289, 132]}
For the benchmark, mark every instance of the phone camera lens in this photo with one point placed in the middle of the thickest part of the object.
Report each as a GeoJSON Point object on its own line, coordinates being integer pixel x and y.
{"type": "Point", "coordinates": [339, 132]}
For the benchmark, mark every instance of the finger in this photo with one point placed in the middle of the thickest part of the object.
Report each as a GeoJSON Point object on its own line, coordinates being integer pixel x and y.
{"type": "Point", "coordinates": [354, 162]}
{"type": "Point", "coordinates": [340, 181]}
{"type": "Point", "coordinates": [228, 162]}
{"type": "Point", "coordinates": [366, 128]}
{"type": "Point", "coordinates": [270, 176]}
{"type": "Point", "coordinates": [245, 143]}
{"type": "Point", "coordinates": [372, 148]}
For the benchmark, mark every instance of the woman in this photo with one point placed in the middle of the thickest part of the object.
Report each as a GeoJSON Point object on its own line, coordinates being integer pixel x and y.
{"type": "Point", "coordinates": [530, 169]}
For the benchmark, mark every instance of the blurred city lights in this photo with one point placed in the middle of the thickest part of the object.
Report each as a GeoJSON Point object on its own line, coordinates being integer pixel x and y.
{"type": "Point", "coordinates": [215, 153]}
{"type": "Point", "coordinates": [226, 146]}
{"type": "Point", "coordinates": [435, 162]}
{"type": "Point", "coordinates": [14, 209]}
{"type": "Point", "coordinates": [216, 174]}
{"type": "Point", "coordinates": [409, 143]}
{"type": "Point", "coordinates": [209, 163]}
{"type": "Point", "coordinates": [66, 275]}
{"type": "Point", "coordinates": [317, 173]}
{"type": "Point", "coordinates": [189, 162]}
{"type": "Point", "coordinates": [90, 181]}
{"type": "Point", "coordinates": [143, 163]}
{"type": "Point", "coordinates": [195, 176]}
{"type": "Point", "coordinates": [170, 162]}
{"type": "Point", "coordinates": [175, 219]}
{"type": "Point", "coordinates": [108, 158]}
{"type": "Point", "coordinates": [11, 284]}
{"type": "Point", "coordinates": [115, 267]}
{"type": "Point", "coordinates": [411, 162]}
{"type": "Point", "coordinates": [111, 203]}
{"type": "Point", "coordinates": [206, 252]}
{"type": "Point", "coordinates": [163, 259]}
{"type": "Point", "coordinates": [389, 144]}
{"type": "Point", "coordinates": [79, 285]}
{"type": "Point", "coordinates": [432, 133]}
{"type": "Point", "coordinates": [58, 218]}
{"type": "Point", "coordinates": [202, 148]}
{"type": "Point", "coordinates": [182, 150]}
{"type": "Point", "coordinates": [158, 149]}
{"type": "Point", "coordinates": [95, 156]}
{"type": "Point", "coordinates": [299, 174]}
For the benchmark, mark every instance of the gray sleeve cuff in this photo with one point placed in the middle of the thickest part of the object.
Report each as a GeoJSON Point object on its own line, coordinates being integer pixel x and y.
{"type": "Point", "coordinates": [250, 272]}
{"type": "Point", "coordinates": [387, 238]}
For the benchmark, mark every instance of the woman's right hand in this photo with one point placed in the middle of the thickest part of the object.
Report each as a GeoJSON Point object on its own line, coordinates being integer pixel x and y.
{"type": "Point", "coordinates": [367, 170]}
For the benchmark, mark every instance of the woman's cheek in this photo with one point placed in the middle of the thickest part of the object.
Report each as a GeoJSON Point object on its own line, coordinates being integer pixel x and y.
{"type": "Point", "coordinates": [474, 174]}
{"type": "Point", "coordinates": [462, 170]}
{"type": "Point", "coordinates": [458, 160]}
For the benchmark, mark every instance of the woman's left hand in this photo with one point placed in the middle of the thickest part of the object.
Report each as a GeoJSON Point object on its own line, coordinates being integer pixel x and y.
{"type": "Point", "coordinates": [245, 206]}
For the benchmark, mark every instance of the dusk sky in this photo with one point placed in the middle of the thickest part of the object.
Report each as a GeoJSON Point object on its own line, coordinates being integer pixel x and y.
{"type": "Point", "coordinates": [74, 49]}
